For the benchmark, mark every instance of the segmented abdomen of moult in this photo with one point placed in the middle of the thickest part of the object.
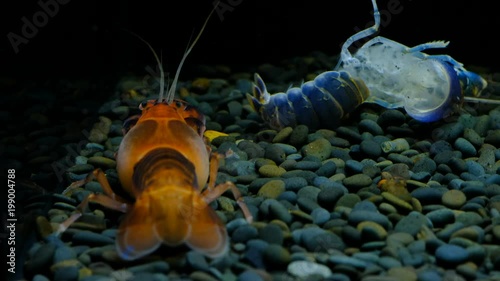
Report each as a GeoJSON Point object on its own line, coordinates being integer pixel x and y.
{"type": "Point", "coordinates": [320, 103]}
{"type": "Point", "coordinates": [425, 86]}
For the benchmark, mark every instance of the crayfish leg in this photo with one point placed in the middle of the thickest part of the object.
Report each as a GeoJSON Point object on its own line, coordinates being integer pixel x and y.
{"type": "Point", "coordinates": [428, 45]}
{"type": "Point", "coordinates": [213, 167]}
{"type": "Point", "coordinates": [213, 192]}
{"type": "Point", "coordinates": [109, 199]}
{"type": "Point", "coordinates": [100, 176]}
{"type": "Point", "coordinates": [210, 195]}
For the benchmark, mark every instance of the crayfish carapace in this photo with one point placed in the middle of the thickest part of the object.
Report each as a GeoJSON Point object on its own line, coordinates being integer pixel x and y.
{"type": "Point", "coordinates": [163, 163]}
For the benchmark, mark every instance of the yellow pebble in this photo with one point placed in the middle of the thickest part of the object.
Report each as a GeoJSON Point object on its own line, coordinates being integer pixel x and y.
{"type": "Point", "coordinates": [301, 214]}
{"type": "Point", "coordinates": [284, 226]}
{"type": "Point", "coordinates": [201, 84]}
{"type": "Point", "coordinates": [183, 92]}
{"type": "Point", "coordinates": [372, 230]}
{"type": "Point", "coordinates": [133, 93]}
{"type": "Point", "coordinates": [84, 272]}
{"type": "Point", "coordinates": [65, 263]}
{"type": "Point", "coordinates": [211, 134]}
{"type": "Point", "coordinates": [43, 226]}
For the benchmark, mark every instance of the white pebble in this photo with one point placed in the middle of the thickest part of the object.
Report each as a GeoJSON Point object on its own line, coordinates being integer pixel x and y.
{"type": "Point", "coordinates": [305, 268]}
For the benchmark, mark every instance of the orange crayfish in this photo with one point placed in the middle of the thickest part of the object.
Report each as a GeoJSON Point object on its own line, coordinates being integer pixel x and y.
{"type": "Point", "coordinates": [164, 162]}
{"type": "Point", "coordinates": [395, 180]}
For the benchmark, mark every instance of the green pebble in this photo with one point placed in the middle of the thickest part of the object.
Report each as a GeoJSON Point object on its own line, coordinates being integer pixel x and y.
{"type": "Point", "coordinates": [338, 162]}
{"type": "Point", "coordinates": [272, 189]}
{"type": "Point", "coordinates": [100, 130]}
{"type": "Point", "coordinates": [387, 208]}
{"type": "Point", "coordinates": [469, 218]}
{"type": "Point", "coordinates": [102, 162]}
{"type": "Point", "coordinates": [272, 233]}
{"type": "Point", "coordinates": [320, 148]}
{"type": "Point", "coordinates": [43, 226]}
{"type": "Point", "coordinates": [299, 135]}
{"type": "Point", "coordinates": [493, 137]}
{"type": "Point", "coordinates": [121, 110]}
{"type": "Point", "coordinates": [371, 231]}
{"type": "Point", "coordinates": [348, 200]}
{"type": "Point", "coordinates": [277, 256]}
{"type": "Point", "coordinates": [473, 137]}
{"type": "Point", "coordinates": [64, 206]}
{"type": "Point", "coordinates": [283, 135]}
{"type": "Point", "coordinates": [202, 276]}
{"type": "Point", "coordinates": [326, 134]}
{"type": "Point", "coordinates": [400, 238]}
{"type": "Point", "coordinates": [222, 139]}
{"type": "Point", "coordinates": [301, 214]}
{"type": "Point", "coordinates": [473, 233]}
{"type": "Point", "coordinates": [453, 199]}
{"type": "Point", "coordinates": [391, 198]}
{"type": "Point", "coordinates": [496, 231]}
{"type": "Point", "coordinates": [152, 267]}
{"type": "Point", "coordinates": [384, 164]}
{"type": "Point", "coordinates": [259, 162]}
{"type": "Point", "coordinates": [403, 273]}
{"type": "Point", "coordinates": [337, 177]}
{"type": "Point", "coordinates": [66, 263]}
{"type": "Point", "coordinates": [81, 169]}
{"type": "Point", "coordinates": [357, 181]}
{"type": "Point", "coordinates": [271, 171]}
{"type": "Point", "coordinates": [487, 158]}
{"type": "Point", "coordinates": [225, 204]}
{"type": "Point", "coordinates": [58, 219]}
{"type": "Point", "coordinates": [467, 270]}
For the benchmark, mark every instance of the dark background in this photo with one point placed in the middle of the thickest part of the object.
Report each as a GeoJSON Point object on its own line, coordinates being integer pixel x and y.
{"type": "Point", "coordinates": [85, 41]}
{"type": "Point", "coordinates": [85, 38]}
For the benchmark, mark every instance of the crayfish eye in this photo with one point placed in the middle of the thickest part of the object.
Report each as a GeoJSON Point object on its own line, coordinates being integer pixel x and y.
{"type": "Point", "coordinates": [143, 105]}
{"type": "Point", "coordinates": [178, 104]}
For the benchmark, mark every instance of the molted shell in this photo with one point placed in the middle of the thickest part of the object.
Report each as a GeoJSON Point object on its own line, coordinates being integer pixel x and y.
{"type": "Point", "coordinates": [428, 87]}
{"type": "Point", "coordinates": [320, 103]}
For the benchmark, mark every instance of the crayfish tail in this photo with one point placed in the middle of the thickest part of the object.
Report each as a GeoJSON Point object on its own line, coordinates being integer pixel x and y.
{"type": "Point", "coordinates": [260, 95]}
{"type": "Point", "coordinates": [254, 103]}
{"type": "Point", "coordinates": [137, 236]}
{"type": "Point", "coordinates": [157, 217]}
{"type": "Point", "coordinates": [208, 234]}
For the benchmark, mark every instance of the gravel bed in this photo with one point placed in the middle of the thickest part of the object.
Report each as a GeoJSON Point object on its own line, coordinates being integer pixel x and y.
{"type": "Point", "coordinates": [327, 205]}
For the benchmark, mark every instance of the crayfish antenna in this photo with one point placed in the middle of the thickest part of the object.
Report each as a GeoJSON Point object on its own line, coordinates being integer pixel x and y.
{"type": "Point", "coordinates": [481, 100]}
{"type": "Point", "coordinates": [171, 91]}
{"type": "Point", "coordinates": [472, 86]}
{"type": "Point", "coordinates": [162, 74]}
{"type": "Point", "coordinates": [345, 55]}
